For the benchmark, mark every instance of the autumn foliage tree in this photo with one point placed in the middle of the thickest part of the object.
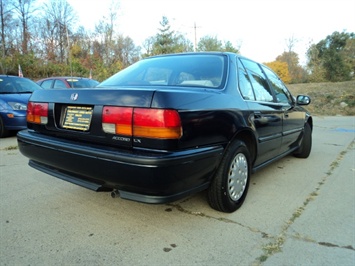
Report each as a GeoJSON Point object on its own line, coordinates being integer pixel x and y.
{"type": "Point", "coordinates": [296, 73]}
{"type": "Point", "coordinates": [281, 69]}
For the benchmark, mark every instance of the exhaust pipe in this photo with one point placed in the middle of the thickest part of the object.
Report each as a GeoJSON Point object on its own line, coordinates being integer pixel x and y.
{"type": "Point", "coordinates": [115, 194]}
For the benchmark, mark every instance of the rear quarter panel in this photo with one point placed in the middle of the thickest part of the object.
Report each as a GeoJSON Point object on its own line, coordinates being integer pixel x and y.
{"type": "Point", "coordinates": [208, 116]}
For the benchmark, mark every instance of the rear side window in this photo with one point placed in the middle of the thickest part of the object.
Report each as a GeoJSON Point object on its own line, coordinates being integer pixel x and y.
{"type": "Point", "coordinates": [245, 84]}
{"type": "Point", "coordinates": [81, 83]}
{"type": "Point", "coordinates": [59, 84]}
{"type": "Point", "coordinates": [258, 80]}
{"type": "Point", "coordinates": [47, 84]}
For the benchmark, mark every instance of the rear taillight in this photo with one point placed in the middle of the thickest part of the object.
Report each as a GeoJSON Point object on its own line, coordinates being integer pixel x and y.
{"type": "Point", "coordinates": [117, 120]}
{"type": "Point", "coordinates": [156, 123]}
{"type": "Point", "coordinates": [142, 122]}
{"type": "Point", "coordinates": [37, 113]}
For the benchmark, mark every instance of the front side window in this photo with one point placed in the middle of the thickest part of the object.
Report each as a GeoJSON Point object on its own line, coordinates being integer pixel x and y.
{"type": "Point", "coordinates": [281, 92]}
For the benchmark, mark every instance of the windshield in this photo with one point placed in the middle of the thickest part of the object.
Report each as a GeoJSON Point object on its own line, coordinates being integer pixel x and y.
{"type": "Point", "coordinates": [198, 70]}
{"type": "Point", "coordinates": [17, 85]}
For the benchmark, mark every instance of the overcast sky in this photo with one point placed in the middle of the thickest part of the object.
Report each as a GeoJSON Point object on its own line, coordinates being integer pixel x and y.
{"type": "Point", "coordinates": [260, 28]}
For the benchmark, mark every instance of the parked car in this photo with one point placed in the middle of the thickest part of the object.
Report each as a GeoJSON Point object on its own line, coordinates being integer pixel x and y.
{"type": "Point", "coordinates": [67, 83]}
{"type": "Point", "coordinates": [14, 95]}
{"type": "Point", "coordinates": [169, 126]}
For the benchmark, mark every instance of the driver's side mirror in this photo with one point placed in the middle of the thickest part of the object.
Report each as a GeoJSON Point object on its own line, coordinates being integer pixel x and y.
{"type": "Point", "coordinates": [303, 100]}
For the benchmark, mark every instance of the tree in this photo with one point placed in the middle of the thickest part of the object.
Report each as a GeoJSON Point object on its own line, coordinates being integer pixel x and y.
{"type": "Point", "coordinates": [126, 51]}
{"type": "Point", "coordinates": [7, 33]}
{"type": "Point", "coordinates": [281, 69]}
{"type": "Point", "coordinates": [228, 47]}
{"type": "Point", "coordinates": [348, 53]}
{"type": "Point", "coordinates": [5, 18]}
{"type": "Point", "coordinates": [331, 54]}
{"type": "Point", "coordinates": [148, 46]}
{"type": "Point", "coordinates": [58, 18]}
{"type": "Point", "coordinates": [315, 65]}
{"type": "Point", "coordinates": [209, 43]}
{"type": "Point", "coordinates": [104, 33]}
{"type": "Point", "coordinates": [166, 41]}
{"type": "Point", "coordinates": [296, 72]}
{"type": "Point", "coordinates": [24, 9]}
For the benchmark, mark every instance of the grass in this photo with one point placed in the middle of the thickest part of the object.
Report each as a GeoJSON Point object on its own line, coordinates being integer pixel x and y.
{"type": "Point", "coordinates": [10, 148]}
{"type": "Point", "coordinates": [328, 99]}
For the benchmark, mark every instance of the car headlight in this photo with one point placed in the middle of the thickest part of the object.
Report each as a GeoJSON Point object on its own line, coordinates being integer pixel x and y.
{"type": "Point", "coordinates": [18, 106]}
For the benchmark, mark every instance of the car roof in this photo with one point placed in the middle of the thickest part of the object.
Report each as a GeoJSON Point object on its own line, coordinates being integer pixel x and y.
{"type": "Point", "coordinates": [8, 76]}
{"type": "Point", "coordinates": [204, 53]}
{"type": "Point", "coordinates": [13, 76]}
{"type": "Point", "coordinates": [64, 77]}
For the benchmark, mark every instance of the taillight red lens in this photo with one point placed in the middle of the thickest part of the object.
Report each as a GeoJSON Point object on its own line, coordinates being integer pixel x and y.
{"type": "Point", "coordinates": [37, 113]}
{"type": "Point", "coordinates": [117, 120]}
{"type": "Point", "coordinates": [141, 122]}
{"type": "Point", "coordinates": [156, 123]}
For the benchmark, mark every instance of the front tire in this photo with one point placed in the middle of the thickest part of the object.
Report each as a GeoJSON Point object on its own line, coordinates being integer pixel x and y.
{"type": "Point", "coordinates": [3, 131]}
{"type": "Point", "coordinates": [306, 145]}
{"type": "Point", "coordinates": [229, 188]}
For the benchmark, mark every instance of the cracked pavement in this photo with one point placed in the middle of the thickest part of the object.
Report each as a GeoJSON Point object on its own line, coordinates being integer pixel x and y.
{"type": "Point", "coordinates": [297, 212]}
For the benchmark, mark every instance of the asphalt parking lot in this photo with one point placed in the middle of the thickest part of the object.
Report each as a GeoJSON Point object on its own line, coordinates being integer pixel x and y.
{"type": "Point", "coordinates": [298, 212]}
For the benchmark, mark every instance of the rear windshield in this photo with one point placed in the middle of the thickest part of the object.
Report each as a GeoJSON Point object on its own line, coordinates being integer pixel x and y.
{"type": "Point", "coordinates": [174, 70]}
{"type": "Point", "coordinates": [82, 83]}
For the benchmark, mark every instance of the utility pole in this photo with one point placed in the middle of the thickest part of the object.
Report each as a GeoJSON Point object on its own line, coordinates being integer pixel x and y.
{"type": "Point", "coordinates": [195, 36]}
{"type": "Point", "coordinates": [195, 30]}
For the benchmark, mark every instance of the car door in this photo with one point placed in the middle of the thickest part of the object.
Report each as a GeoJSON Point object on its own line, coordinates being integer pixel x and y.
{"type": "Point", "coordinates": [265, 114]}
{"type": "Point", "coordinates": [293, 117]}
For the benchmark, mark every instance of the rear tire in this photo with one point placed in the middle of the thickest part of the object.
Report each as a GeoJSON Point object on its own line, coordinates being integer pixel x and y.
{"type": "Point", "coordinates": [229, 187]}
{"type": "Point", "coordinates": [305, 149]}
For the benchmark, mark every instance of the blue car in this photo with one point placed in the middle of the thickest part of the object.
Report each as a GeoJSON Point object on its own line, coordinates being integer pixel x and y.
{"type": "Point", "coordinates": [14, 95]}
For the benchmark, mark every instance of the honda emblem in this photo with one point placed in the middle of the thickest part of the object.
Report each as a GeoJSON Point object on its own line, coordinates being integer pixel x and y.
{"type": "Point", "coordinates": [74, 96]}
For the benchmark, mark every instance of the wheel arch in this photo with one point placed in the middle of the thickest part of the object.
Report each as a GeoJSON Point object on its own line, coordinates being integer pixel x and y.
{"type": "Point", "coordinates": [310, 122]}
{"type": "Point", "coordinates": [248, 137]}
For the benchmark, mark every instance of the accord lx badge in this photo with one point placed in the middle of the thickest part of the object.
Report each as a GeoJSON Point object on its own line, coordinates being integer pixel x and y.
{"type": "Point", "coordinates": [74, 96]}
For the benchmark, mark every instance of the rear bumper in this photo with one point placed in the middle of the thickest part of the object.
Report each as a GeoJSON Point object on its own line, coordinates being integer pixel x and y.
{"type": "Point", "coordinates": [145, 176]}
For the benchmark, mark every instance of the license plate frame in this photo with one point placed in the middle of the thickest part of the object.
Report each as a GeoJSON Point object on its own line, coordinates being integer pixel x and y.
{"type": "Point", "coordinates": [77, 117]}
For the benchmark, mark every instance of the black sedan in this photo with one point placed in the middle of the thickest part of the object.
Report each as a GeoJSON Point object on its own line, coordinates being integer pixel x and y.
{"type": "Point", "coordinates": [169, 126]}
